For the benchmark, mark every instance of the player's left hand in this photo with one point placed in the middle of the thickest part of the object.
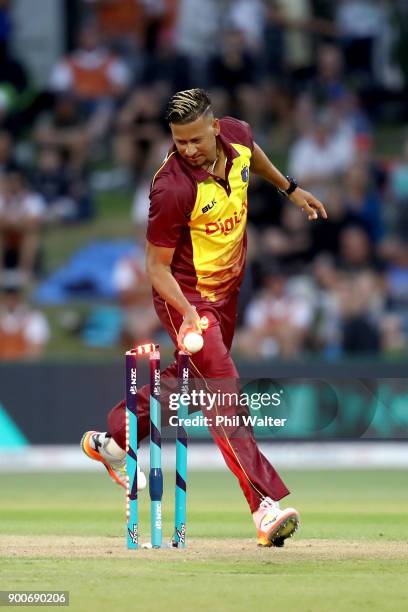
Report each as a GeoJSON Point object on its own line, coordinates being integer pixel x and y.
{"type": "Point", "coordinates": [307, 202]}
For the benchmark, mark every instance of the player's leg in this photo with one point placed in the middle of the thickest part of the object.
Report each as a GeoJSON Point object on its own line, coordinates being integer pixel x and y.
{"type": "Point", "coordinates": [109, 448]}
{"type": "Point", "coordinates": [259, 481]}
{"type": "Point", "coordinates": [101, 446]}
{"type": "Point", "coordinates": [273, 525]}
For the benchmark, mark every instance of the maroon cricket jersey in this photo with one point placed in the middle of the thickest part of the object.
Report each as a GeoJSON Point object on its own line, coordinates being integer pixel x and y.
{"type": "Point", "coordinates": [204, 217]}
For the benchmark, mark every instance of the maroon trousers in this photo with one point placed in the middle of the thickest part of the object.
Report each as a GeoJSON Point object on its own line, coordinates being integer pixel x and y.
{"type": "Point", "coordinates": [213, 364]}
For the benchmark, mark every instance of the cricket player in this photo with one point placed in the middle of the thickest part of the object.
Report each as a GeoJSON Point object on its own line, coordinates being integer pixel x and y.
{"type": "Point", "coordinates": [195, 258]}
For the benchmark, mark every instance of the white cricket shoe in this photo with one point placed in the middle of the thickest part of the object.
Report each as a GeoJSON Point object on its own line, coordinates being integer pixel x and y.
{"type": "Point", "coordinates": [275, 525]}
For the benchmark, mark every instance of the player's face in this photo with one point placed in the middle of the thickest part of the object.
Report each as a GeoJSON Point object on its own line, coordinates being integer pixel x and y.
{"type": "Point", "coordinates": [196, 141]}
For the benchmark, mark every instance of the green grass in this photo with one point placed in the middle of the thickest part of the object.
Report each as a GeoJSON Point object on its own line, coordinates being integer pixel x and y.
{"type": "Point", "coordinates": [342, 505]}
{"type": "Point", "coordinates": [364, 506]}
{"type": "Point", "coordinates": [154, 586]}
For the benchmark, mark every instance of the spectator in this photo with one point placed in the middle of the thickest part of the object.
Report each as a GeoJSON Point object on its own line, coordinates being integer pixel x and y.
{"type": "Point", "coordinates": [197, 30]}
{"type": "Point", "coordinates": [276, 82]}
{"type": "Point", "coordinates": [325, 238]}
{"type": "Point", "coordinates": [400, 23]}
{"type": "Point", "coordinates": [356, 250]}
{"type": "Point", "coordinates": [249, 18]}
{"type": "Point", "coordinates": [91, 72]}
{"type": "Point", "coordinates": [277, 320]}
{"type": "Point", "coordinates": [21, 217]}
{"type": "Point", "coordinates": [161, 17]}
{"type": "Point", "coordinates": [94, 75]}
{"type": "Point", "coordinates": [360, 304]}
{"type": "Point", "coordinates": [234, 78]}
{"type": "Point", "coordinates": [326, 279]}
{"type": "Point", "coordinates": [398, 181]}
{"type": "Point", "coordinates": [6, 151]}
{"type": "Point", "coordinates": [321, 157]}
{"type": "Point", "coordinates": [274, 60]}
{"type": "Point", "coordinates": [23, 331]}
{"type": "Point", "coordinates": [64, 194]}
{"type": "Point", "coordinates": [363, 202]}
{"type": "Point", "coordinates": [167, 70]}
{"type": "Point", "coordinates": [51, 181]}
{"type": "Point", "coordinates": [5, 21]}
{"type": "Point", "coordinates": [298, 20]}
{"type": "Point", "coordinates": [351, 307]}
{"type": "Point", "coordinates": [13, 77]}
{"type": "Point", "coordinates": [266, 204]}
{"type": "Point", "coordinates": [350, 114]}
{"type": "Point", "coordinates": [395, 254]}
{"type": "Point", "coordinates": [364, 30]}
{"type": "Point", "coordinates": [393, 336]}
{"type": "Point", "coordinates": [290, 29]}
{"type": "Point", "coordinates": [135, 25]}
{"type": "Point", "coordinates": [140, 129]}
{"type": "Point", "coordinates": [328, 84]}
{"type": "Point", "coordinates": [302, 117]}
{"type": "Point", "coordinates": [66, 128]}
{"type": "Point", "coordinates": [134, 292]}
{"type": "Point", "coordinates": [121, 23]}
{"type": "Point", "coordinates": [13, 89]}
{"type": "Point", "coordinates": [289, 243]}
{"type": "Point", "coordinates": [140, 205]}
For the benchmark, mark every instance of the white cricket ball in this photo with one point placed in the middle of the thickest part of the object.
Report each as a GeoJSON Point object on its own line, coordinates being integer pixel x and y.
{"type": "Point", "coordinates": [193, 342]}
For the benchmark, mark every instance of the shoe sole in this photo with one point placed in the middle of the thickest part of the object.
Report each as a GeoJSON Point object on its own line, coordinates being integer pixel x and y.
{"type": "Point", "coordinates": [284, 528]}
{"type": "Point", "coordinates": [93, 454]}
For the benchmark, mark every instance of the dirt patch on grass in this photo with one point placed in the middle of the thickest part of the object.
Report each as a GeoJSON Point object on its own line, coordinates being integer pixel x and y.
{"type": "Point", "coordinates": [68, 547]}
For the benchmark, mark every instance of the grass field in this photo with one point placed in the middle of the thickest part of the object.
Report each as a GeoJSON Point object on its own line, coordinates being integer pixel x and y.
{"type": "Point", "coordinates": [66, 532]}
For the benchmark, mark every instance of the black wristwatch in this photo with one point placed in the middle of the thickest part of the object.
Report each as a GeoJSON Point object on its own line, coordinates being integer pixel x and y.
{"type": "Point", "coordinates": [292, 186]}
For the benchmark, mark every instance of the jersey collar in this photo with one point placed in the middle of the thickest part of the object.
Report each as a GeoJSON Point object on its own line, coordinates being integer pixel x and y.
{"type": "Point", "coordinates": [199, 173]}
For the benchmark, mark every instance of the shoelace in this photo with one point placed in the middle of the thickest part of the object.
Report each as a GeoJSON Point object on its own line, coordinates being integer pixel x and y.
{"type": "Point", "coordinates": [267, 502]}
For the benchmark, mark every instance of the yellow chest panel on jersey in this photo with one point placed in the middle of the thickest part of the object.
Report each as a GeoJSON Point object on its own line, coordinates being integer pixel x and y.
{"type": "Point", "coordinates": [217, 225]}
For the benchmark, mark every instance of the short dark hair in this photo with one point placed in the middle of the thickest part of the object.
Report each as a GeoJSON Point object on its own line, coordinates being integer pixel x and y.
{"type": "Point", "coordinates": [188, 105]}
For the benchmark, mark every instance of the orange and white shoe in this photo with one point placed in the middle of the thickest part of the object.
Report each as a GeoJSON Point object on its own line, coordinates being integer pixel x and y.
{"type": "Point", "coordinates": [94, 443]}
{"type": "Point", "coordinates": [275, 525]}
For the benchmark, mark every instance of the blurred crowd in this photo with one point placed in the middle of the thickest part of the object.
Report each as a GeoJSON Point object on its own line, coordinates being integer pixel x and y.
{"type": "Point", "coordinates": [315, 79]}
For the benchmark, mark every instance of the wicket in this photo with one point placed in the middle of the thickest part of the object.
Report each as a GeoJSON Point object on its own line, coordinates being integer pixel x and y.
{"type": "Point", "coordinates": [179, 538]}
{"type": "Point", "coordinates": [155, 473]}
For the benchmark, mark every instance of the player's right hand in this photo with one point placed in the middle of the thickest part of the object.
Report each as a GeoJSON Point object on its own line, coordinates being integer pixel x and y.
{"type": "Point", "coordinates": [191, 322]}
{"type": "Point", "coordinates": [308, 203]}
